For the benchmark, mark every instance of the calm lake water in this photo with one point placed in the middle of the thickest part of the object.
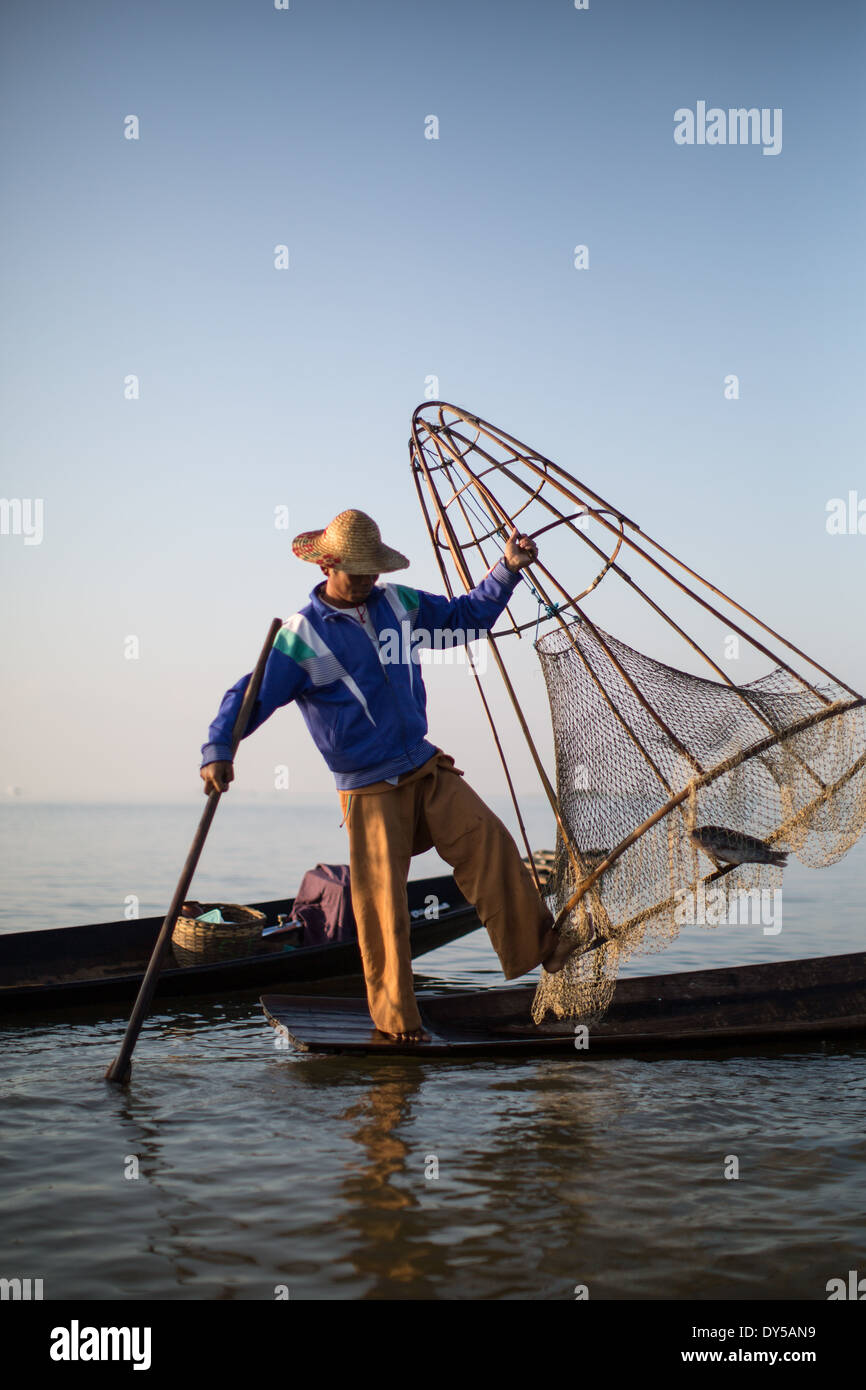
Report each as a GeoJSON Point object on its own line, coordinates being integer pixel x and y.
{"type": "Point", "coordinates": [259, 1167]}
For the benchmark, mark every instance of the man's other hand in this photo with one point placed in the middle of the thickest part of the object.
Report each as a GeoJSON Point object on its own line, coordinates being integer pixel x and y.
{"type": "Point", "coordinates": [216, 777]}
{"type": "Point", "coordinates": [520, 551]}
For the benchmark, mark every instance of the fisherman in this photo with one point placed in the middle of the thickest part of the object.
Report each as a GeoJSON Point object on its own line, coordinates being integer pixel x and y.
{"type": "Point", "coordinates": [349, 659]}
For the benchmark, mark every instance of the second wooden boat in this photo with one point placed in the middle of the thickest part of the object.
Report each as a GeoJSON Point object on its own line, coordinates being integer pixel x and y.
{"type": "Point", "coordinates": [821, 997]}
{"type": "Point", "coordinates": [104, 963]}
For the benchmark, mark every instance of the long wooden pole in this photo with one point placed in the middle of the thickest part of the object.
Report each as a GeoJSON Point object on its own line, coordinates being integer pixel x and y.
{"type": "Point", "coordinates": [121, 1068]}
{"type": "Point", "coordinates": [476, 480]}
{"type": "Point", "coordinates": [463, 570]}
{"type": "Point", "coordinates": [532, 460]}
{"type": "Point", "coordinates": [487, 710]}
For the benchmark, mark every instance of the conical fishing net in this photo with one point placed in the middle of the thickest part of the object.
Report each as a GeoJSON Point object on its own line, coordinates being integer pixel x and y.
{"type": "Point", "coordinates": [675, 796]}
{"type": "Point", "coordinates": [774, 759]}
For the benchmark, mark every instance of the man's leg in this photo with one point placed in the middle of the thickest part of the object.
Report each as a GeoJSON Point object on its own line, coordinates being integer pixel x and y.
{"type": "Point", "coordinates": [488, 871]}
{"type": "Point", "coordinates": [380, 826]}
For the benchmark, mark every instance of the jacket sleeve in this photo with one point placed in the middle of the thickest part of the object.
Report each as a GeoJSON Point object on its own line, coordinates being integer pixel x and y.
{"type": "Point", "coordinates": [284, 680]}
{"type": "Point", "coordinates": [474, 612]}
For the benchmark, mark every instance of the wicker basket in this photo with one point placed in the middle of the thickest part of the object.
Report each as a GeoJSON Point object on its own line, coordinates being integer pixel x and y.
{"type": "Point", "coordinates": [202, 943]}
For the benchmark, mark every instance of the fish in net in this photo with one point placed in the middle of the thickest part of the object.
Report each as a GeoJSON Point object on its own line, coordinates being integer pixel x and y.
{"type": "Point", "coordinates": [666, 778]}
{"type": "Point", "coordinates": [676, 798]}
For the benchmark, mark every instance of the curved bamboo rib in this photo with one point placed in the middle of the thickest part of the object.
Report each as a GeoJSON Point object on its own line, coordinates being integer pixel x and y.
{"type": "Point", "coordinates": [454, 461]}
{"type": "Point", "coordinates": [529, 455]}
{"type": "Point", "coordinates": [493, 503]}
{"type": "Point", "coordinates": [532, 459]}
{"type": "Point", "coordinates": [493, 729]}
{"type": "Point", "coordinates": [642, 593]}
{"type": "Point", "coordinates": [460, 564]}
{"type": "Point", "coordinates": [660, 611]}
{"type": "Point", "coordinates": [684, 752]}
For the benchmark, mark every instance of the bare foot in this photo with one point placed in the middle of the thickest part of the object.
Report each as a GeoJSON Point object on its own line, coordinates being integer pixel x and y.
{"type": "Point", "coordinates": [414, 1035]}
{"type": "Point", "coordinates": [565, 947]}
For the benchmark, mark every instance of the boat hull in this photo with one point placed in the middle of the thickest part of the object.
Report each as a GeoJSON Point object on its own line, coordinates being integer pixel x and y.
{"type": "Point", "coordinates": [61, 967]}
{"type": "Point", "coordinates": [816, 998]}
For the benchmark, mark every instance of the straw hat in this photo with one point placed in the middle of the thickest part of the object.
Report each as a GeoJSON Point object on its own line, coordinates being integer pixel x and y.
{"type": "Point", "coordinates": [351, 542]}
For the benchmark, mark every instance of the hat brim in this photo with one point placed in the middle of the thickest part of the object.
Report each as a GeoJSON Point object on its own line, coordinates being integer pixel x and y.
{"type": "Point", "coordinates": [382, 560]}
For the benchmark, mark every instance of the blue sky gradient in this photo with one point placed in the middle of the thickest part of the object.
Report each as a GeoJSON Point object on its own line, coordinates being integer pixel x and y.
{"type": "Point", "coordinates": [409, 258]}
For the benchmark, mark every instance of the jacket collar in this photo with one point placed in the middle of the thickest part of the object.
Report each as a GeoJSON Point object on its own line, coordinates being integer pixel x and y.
{"type": "Point", "coordinates": [324, 610]}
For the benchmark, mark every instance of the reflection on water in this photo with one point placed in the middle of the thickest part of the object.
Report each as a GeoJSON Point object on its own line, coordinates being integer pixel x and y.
{"type": "Point", "coordinates": [348, 1178]}
{"type": "Point", "coordinates": [260, 1167]}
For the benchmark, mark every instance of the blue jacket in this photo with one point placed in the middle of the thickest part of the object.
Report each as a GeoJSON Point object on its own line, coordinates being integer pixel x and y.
{"type": "Point", "coordinates": [366, 710]}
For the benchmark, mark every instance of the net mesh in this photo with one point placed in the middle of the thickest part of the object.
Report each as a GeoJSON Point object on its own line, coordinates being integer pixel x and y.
{"type": "Point", "coordinates": [761, 759]}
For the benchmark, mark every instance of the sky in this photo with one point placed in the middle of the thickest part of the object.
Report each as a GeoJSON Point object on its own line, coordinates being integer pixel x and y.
{"type": "Point", "coordinates": [413, 263]}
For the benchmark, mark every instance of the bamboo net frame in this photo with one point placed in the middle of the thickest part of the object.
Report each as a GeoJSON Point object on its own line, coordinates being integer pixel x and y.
{"type": "Point", "coordinates": [460, 463]}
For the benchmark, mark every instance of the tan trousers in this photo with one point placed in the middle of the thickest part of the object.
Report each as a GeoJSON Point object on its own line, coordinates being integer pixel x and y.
{"type": "Point", "coordinates": [387, 824]}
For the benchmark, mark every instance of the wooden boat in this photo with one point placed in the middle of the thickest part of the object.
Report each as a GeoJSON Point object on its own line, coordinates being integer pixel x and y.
{"type": "Point", "coordinates": [812, 999]}
{"type": "Point", "coordinates": [95, 964]}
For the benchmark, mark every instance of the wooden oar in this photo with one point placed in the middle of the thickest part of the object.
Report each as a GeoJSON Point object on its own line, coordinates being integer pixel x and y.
{"type": "Point", "coordinates": [121, 1068]}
